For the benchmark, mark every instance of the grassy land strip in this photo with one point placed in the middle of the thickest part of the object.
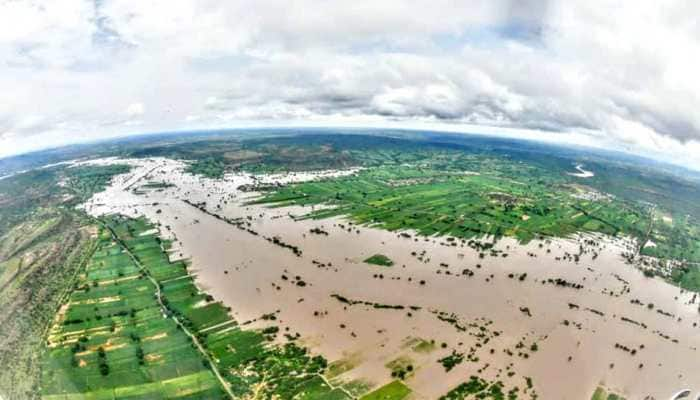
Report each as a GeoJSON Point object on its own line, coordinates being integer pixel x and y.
{"type": "Point", "coordinates": [394, 390]}
{"type": "Point", "coordinates": [601, 394]}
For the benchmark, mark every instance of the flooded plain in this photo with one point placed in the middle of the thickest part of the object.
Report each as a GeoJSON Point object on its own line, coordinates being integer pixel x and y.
{"type": "Point", "coordinates": [582, 173]}
{"type": "Point", "coordinates": [569, 313]}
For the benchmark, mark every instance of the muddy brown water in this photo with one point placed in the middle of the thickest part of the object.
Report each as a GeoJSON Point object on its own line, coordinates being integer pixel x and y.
{"type": "Point", "coordinates": [245, 272]}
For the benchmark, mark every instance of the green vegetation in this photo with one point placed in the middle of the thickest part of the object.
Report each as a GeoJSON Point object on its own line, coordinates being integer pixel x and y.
{"type": "Point", "coordinates": [32, 282]}
{"type": "Point", "coordinates": [23, 195]}
{"type": "Point", "coordinates": [157, 331]}
{"type": "Point", "coordinates": [210, 167]}
{"type": "Point", "coordinates": [452, 360]}
{"type": "Point", "coordinates": [44, 241]}
{"type": "Point", "coordinates": [84, 181]}
{"type": "Point", "coordinates": [601, 394]}
{"type": "Point", "coordinates": [687, 277]}
{"type": "Point", "coordinates": [380, 259]}
{"type": "Point", "coordinates": [447, 201]}
{"type": "Point", "coordinates": [155, 186]}
{"type": "Point", "coordinates": [479, 388]}
{"type": "Point", "coordinates": [357, 387]}
{"type": "Point", "coordinates": [401, 368]}
{"type": "Point", "coordinates": [395, 390]}
{"type": "Point", "coordinates": [112, 337]}
{"type": "Point", "coordinates": [424, 346]}
{"type": "Point", "coordinates": [339, 367]}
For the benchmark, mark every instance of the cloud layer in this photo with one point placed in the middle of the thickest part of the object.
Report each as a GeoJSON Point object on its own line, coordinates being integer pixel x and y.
{"type": "Point", "coordinates": [596, 73]}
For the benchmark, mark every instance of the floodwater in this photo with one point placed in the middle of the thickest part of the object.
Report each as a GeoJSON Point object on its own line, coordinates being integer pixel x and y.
{"type": "Point", "coordinates": [584, 337]}
{"type": "Point", "coordinates": [582, 172]}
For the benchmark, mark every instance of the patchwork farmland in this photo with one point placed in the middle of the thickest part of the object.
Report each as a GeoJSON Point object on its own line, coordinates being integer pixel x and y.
{"type": "Point", "coordinates": [136, 326]}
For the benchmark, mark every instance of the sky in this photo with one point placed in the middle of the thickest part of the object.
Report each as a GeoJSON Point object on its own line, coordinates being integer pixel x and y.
{"type": "Point", "coordinates": [610, 74]}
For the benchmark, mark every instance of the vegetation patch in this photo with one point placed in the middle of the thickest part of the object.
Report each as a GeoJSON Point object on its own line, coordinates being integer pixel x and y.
{"type": "Point", "coordinates": [452, 360]}
{"type": "Point", "coordinates": [479, 388]}
{"type": "Point", "coordinates": [401, 367]}
{"type": "Point", "coordinates": [343, 365]}
{"type": "Point", "coordinates": [424, 346]}
{"type": "Point", "coordinates": [357, 387]}
{"type": "Point", "coordinates": [396, 390]}
{"type": "Point", "coordinates": [210, 167]}
{"type": "Point", "coordinates": [380, 259]}
{"type": "Point", "coordinates": [602, 394]}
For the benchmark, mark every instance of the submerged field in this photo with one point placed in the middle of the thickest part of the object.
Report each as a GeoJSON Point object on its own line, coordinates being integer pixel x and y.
{"type": "Point", "coordinates": [443, 314]}
{"type": "Point", "coordinates": [349, 267]}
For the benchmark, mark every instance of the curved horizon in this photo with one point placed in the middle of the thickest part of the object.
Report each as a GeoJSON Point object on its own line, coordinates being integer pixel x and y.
{"type": "Point", "coordinates": [598, 74]}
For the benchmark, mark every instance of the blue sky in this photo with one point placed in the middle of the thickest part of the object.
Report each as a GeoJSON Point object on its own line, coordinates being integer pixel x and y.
{"type": "Point", "coordinates": [592, 73]}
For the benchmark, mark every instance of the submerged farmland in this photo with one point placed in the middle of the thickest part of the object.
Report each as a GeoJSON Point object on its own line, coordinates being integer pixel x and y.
{"type": "Point", "coordinates": [452, 316]}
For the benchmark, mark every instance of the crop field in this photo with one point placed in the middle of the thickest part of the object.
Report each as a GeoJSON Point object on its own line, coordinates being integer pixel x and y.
{"type": "Point", "coordinates": [395, 390]}
{"type": "Point", "coordinates": [463, 205]}
{"type": "Point", "coordinates": [113, 319]}
{"type": "Point", "coordinates": [114, 338]}
{"type": "Point", "coordinates": [43, 242]}
{"type": "Point", "coordinates": [448, 193]}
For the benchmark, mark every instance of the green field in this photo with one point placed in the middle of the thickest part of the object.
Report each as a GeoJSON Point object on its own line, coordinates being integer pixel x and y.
{"type": "Point", "coordinates": [147, 346]}
{"type": "Point", "coordinates": [44, 241]}
{"type": "Point", "coordinates": [395, 390]}
{"type": "Point", "coordinates": [435, 201]}
{"type": "Point", "coordinates": [113, 308]}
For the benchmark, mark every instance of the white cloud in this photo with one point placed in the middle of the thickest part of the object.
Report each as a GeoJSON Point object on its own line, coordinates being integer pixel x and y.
{"type": "Point", "coordinates": [586, 72]}
{"type": "Point", "coordinates": [135, 110]}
